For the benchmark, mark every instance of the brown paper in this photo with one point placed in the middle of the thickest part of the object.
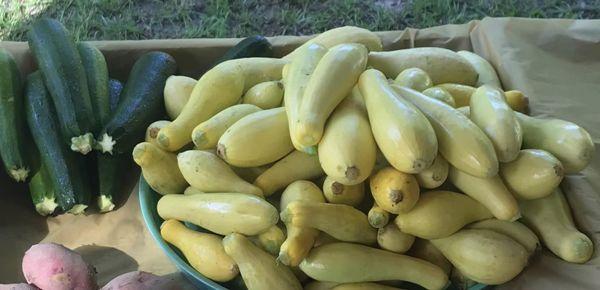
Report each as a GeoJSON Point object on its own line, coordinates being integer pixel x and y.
{"type": "Point", "coordinates": [555, 62]}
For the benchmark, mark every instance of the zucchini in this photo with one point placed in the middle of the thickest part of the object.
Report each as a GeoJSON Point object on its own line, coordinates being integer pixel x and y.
{"type": "Point", "coordinates": [111, 168]}
{"type": "Point", "coordinates": [42, 192]}
{"type": "Point", "coordinates": [141, 103]}
{"type": "Point", "coordinates": [66, 169]}
{"type": "Point", "coordinates": [12, 120]}
{"type": "Point", "coordinates": [253, 46]}
{"type": "Point", "coordinates": [62, 69]}
{"type": "Point", "coordinates": [96, 72]}
{"type": "Point", "coordinates": [114, 93]}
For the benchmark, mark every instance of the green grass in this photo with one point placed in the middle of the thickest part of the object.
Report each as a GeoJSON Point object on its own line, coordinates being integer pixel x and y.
{"type": "Point", "coordinates": [148, 19]}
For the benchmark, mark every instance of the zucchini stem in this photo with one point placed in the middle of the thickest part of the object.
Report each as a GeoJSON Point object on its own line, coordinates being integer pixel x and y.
{"type": "Point", "coordinates": [106, 144]}
{"type": "Point", "coordinates": [82, 144]}
{"type": "Point", "coordinates": [19, 174]}
{"type": "Point", "coordinates": [47, 206]}
{"type": "Point", "coordinates": [105, 203]}
{"type": "Point", "coordinates": [77, 209]}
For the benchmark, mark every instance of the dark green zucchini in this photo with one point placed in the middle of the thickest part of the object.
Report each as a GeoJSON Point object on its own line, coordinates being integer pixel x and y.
{"type": "Point", "coordinates": [13, 130]}
{"type": "Point", "coordinates": [114, 91]}
{"type": "Point", "coordinates": [253, 46]}
{"type": "Point", "coordinates": [61, 67]}
{"type": "Point", "coordinates": [66, 169]}
{"type": "Point", "coordinates": [141, 103]}
{"type": "Point", "coordinates": [42, 192]}
{"type": "Point", "coordinates": [112, 168]}
{"type": "Point", "coordinates": [96, 72]}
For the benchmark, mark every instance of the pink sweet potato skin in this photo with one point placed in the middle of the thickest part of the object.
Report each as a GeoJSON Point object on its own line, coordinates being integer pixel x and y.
{"type": "Point", "coordinates": [21, 286]}
{"type": "Point", "coordinates": [139, 280]}
{"type": "Point", "coordinates": [53, 267]}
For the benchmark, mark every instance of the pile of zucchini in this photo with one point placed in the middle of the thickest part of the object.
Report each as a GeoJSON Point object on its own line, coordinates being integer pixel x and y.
{"type": "Point", "coordinates": [51, 123]}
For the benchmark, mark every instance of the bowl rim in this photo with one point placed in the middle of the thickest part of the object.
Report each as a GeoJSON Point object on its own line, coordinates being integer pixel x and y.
{"type": "Point", "coordinates": [153, 228]}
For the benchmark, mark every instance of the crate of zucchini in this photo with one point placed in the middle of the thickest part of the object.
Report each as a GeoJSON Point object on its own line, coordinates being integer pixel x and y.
{"type": "Point", "coordinates": [367, 151]}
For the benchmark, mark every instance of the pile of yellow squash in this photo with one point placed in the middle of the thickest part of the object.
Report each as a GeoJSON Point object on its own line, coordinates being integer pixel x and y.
{"type": "Point", "coordinates": [341, 166]}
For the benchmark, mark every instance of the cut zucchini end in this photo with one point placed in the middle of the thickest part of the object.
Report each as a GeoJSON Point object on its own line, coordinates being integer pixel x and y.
{"type": "Point", "coordinates": [77, 209]}
{"type": "Point", "coordinates": [82, 144]}
{"type": "Point", "coordinates": [46, 206]}
{"type": "Point", "coordinates": [106, 144]}
{"type": "Point", "coordinates": [19, 174]}
{"type": "Point", "coordinates": [105, 203]}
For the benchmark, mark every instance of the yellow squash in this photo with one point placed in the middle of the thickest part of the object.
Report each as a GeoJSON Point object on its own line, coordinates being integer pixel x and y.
{"type": "Point", "coordinates": [440, 94]}
{"type": "Point", "coordinates": [424, 249]}
{"type": "Point", "coordinates": [460, 93]}
{"type": "Point", "coordinates": [217, 89]}
{"type": "Point", "coordinates": [250, 173]}
{"type": "Point", "coordinates": [363, 286]}
{"type": "Point", "coordinates": [517, 101]}
{"type": "Point", "coordinates": [256, 139]}
{"type": "Point", "coordinates": [295, 166]}
{"type": "Point", "coordinates": [392, 239]}
{"type": "Point", "coordinates": [208, 173]}
{"type": "Point", "coordinates": [489, 110]}
{"type": "Point", "coordinates": [341, 35]}
{"type": "Point", "coordinates": [568, 142]}
{"type": "Point", "coordinates": [394, 191]}
{"type": "Point", "coordinates": [284, 72]}
{"type": "Point", "coordinates": [550, 218]}
{"type": "Point", "coordinates": [485, 70]}
{"type": "Point", "coordinates": [153, 129]}
{"type": "Point", "coordinates": [177, 93]}
{"type": "Point", "coordinates": [435, 175]}
{"type": "Point", "coordinates": [414, 78]}
{"type": "Point", "coordinates": [259, 270]}
{"type": "Point", "coordinates": [207, 134]}
{"type": "Point", "coordinates": [190, 190]}
{"type": "Point", "coordinates": [341, 221]}
{"type": "Point", "coordinates": [378, 217]}
{"type": "Point", "coordinates": [221, 213]}
{"type": "Point", "coordinates": [442, 65]}
{"type": "Point", "coordinates": [336, 192]}
{"type": "Point", "coordinates": [515, 230]}
{"type": "Point", "coordinates": [332, 80]}
{"type": "Point", "coordinates": [320, 285]}
{"type": "Point", "coordinates": [401, 131]}
{"type": "Point", "coordinates": [298, 74]}
{"type": "Point", "coordinates": [270, 240]}
{"type": "Point", "coordinates": [439, 214]}
{"type": "Point", "coordinates": [203, 251]}
{"type": "Point", "coordinates": [266, 95]}
{"type": "Point", "coordinates": [490, 192]}
{"type": "Point", "coordinates": [484, 256]}
{"type": "Point", "coordinates": [460, 141]}
{"type": "Point", "coordinates": [299, 240]}
{"type": "Point", "coordinates": [159, 168]}
{"type": "Point", "coordinates": [349, 263]}
{"type": "Point", "coordinates": [534, 174]}
{"type": "Point", "coordinates": [462, 97]}
{"type": "Point", "coordinates": [347, 150]}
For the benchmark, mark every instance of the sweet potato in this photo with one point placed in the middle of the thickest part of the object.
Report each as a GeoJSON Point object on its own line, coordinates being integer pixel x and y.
{"type": "Point", "coordinates": [139, 280]}
{"type": "Point", "coordinates": [20, 286]}
{"type": "Point", "coordinates": [53, 267]}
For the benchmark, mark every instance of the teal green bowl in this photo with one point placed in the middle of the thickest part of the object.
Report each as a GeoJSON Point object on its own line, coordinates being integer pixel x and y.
{"type": "Point", "coordinates": [148, 199]}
